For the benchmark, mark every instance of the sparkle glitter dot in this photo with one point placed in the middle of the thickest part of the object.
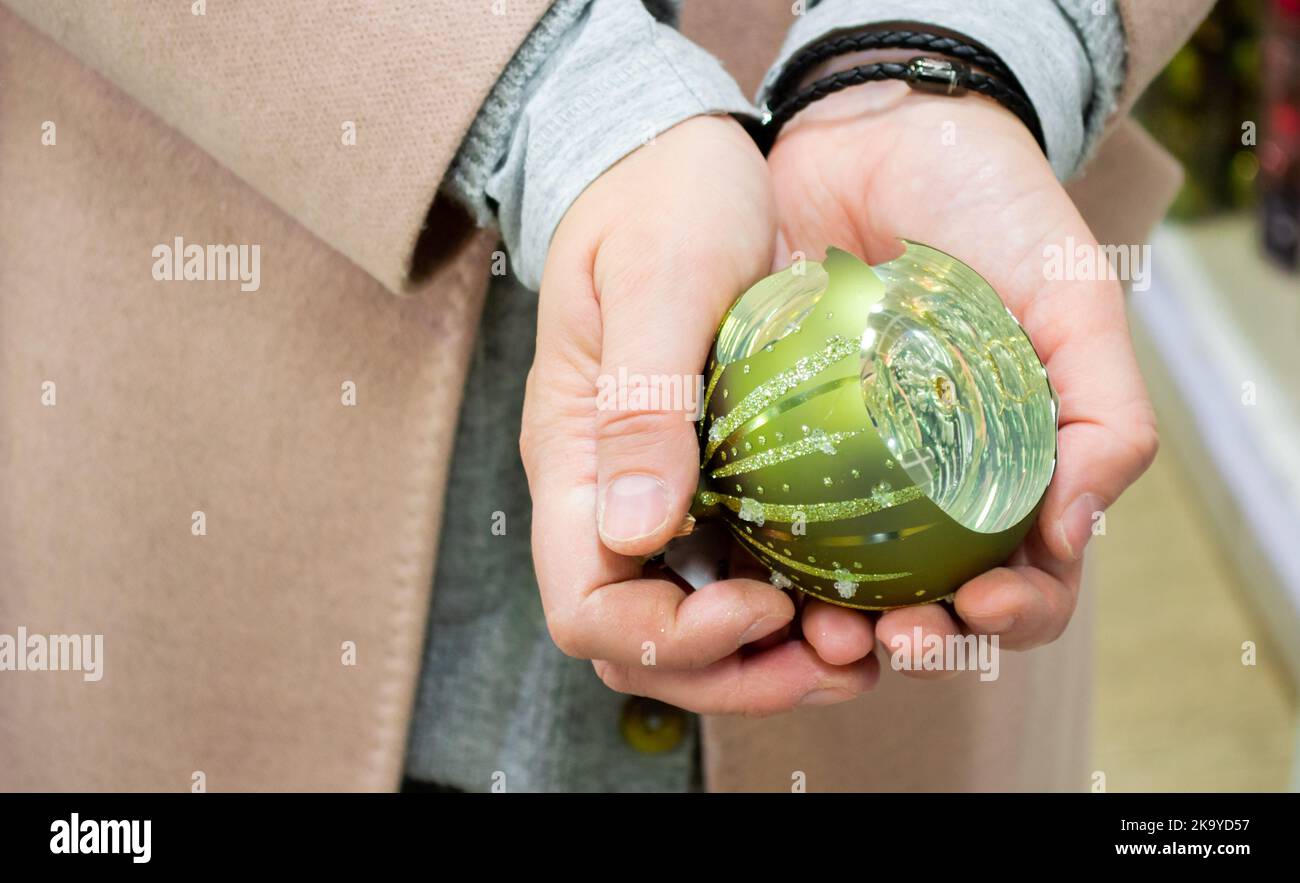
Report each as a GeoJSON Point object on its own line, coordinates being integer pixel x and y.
{"type": "Point", "coordinates": [822, 442]}
{"type": "Point", "coordinates": [844, 584]}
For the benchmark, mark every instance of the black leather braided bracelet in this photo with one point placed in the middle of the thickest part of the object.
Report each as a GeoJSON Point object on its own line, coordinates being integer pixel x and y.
{"type": "Point", "coordinates": [945, 76]}
{"type": "Point", "coordinates": [915, 41]}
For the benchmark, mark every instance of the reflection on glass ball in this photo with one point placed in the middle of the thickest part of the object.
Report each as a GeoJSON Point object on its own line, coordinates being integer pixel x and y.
{"type": "Point", "coordinates": [875, 436]}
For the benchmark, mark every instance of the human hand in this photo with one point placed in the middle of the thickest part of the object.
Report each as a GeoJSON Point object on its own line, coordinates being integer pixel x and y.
{"type": "Point", "coordinates": [638, 275]}
{"type": "Point", "coordinates": [867, 166]}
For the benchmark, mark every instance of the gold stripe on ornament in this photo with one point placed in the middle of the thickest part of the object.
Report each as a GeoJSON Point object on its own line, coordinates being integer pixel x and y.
{"type": "Point", "coordinates": [848, 541]}
{"type": "Point", "coordinates": [820, 572]}
{"type": "Point", "coordinates": [708, 390]}
{"type": "Point", "coordinates": [772, 390]}
{"type": "Point", "coordinates": [819, 441]}
{"type": "Point", "coordinates": [838, 510]}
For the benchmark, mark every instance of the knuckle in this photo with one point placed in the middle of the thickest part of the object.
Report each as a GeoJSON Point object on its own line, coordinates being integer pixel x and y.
{"type": "Point", "coordinates": [1059, 619]}
{"type": "Point", "coordinates": [1147, 444]}
{"type": "Point", "coordinates": [756, 712]}
{"type": "Point", "coordinates": [528, 429]}
{"type": "Point", "coordinates": [612, 676]}
{"type": "Point", "coordinates": [739, 700]}
{"type": "Point", "coordinates": [527, 446]}
{"type": "Point", "coordinates": [568, 636]}
{"type": "Point", "coordinates": [638, 429]}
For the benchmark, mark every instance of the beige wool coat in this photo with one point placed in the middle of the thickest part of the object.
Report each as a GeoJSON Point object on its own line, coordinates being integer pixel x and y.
{"type": "Point", "coordinates": [129, 405]}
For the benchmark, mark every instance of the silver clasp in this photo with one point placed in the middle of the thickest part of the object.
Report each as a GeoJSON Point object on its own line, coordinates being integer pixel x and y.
{"type": "Point", "coordinates": [937, 75]}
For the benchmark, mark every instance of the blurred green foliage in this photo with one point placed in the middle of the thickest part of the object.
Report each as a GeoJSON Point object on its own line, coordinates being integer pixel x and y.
{"type": "Point", "coordinates": [1200, 105]}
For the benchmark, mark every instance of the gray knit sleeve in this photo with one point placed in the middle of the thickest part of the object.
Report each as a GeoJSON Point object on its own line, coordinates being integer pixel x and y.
{"type": "Point", "coordinates": [596, 80]}
{"type": "Point", "coordinates": [489, 135]}
{"type": "Point", "coordinates": [1101, 31]}
{"type": "Point", "coordinates": [1067, 54]}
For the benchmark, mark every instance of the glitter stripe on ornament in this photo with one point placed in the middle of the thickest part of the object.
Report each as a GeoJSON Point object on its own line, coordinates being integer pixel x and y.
{"type": "Point", "coordinates": [778, 386]}
{"type": "Point", "coordinates": [838, 510]}
{"type": "Point", "coordinates": [812, 570]}
{"type": "Point", "coordinates": [819, 441]}
{"type": "Point", "coordinates": [781, 407]}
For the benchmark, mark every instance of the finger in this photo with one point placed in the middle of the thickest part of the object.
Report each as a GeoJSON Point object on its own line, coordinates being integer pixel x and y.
{"type": "Point", "coordinates": [1024, 606]}
{"type": "Point", "coordinates": [839, 635]}
{"type": "Point", "coordinates": [597, 604]}
{"type": "Point", "coordinates": [910, 633]}
{"type": "Point", "coordinates": [660, 303]}
{"type": "Point", "coordinates": [1107, 436]}
{"type": "Point", "coordinates": [742, 565]}
{"type": "Point", "coordinates": [1107, 439]}
{"type": "Point", "coordinates": [770, 682]}
{"type": "Point", "coordinates": [1027, 603]}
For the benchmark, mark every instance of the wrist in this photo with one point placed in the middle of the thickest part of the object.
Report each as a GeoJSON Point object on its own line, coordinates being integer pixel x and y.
{"type": "Point", "coordinates": [972, 133]}
{"type": "Point", "coordinates": [891, 109]}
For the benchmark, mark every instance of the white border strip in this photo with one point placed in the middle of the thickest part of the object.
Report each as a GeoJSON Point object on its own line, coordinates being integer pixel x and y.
{"type": "Point", "coordinates": [1256, 450]}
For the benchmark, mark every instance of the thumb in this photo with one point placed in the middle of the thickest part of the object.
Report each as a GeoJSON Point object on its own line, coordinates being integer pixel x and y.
{"type": "Point", "coordinates": [659, 317]}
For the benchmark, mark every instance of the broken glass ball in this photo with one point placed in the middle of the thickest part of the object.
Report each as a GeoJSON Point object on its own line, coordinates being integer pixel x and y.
{"type": "Point", "coordinates": [875, 436]}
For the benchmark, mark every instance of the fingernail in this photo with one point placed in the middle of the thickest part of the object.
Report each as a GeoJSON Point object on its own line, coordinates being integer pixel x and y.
{"type": "Point", "coordinates": [634, 506]}
{"type": "Point", "coordinates": [763, 628]}
{"type": "Point", "coordinates": [1077, 523]}
{"type": "Point", "coordinates": [826, 696]}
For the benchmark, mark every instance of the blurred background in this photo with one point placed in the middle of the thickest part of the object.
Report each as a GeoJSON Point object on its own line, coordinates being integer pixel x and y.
{"type": "Point", "coordinates": [1197, 578]}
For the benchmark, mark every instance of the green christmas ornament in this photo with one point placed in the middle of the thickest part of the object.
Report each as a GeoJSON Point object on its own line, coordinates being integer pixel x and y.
{"type": "Point", "coordinates": [875, 436]}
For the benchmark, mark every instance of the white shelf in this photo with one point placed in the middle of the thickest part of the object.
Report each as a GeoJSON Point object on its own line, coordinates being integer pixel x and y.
{"type": "Point", "coordinates": [1213, 327]}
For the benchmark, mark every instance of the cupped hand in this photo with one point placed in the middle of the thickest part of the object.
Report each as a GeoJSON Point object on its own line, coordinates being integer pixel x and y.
{"type": "Point", "coordinates": [638, 275]}
{"type": "Point", "coordinates": [868, 166]}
